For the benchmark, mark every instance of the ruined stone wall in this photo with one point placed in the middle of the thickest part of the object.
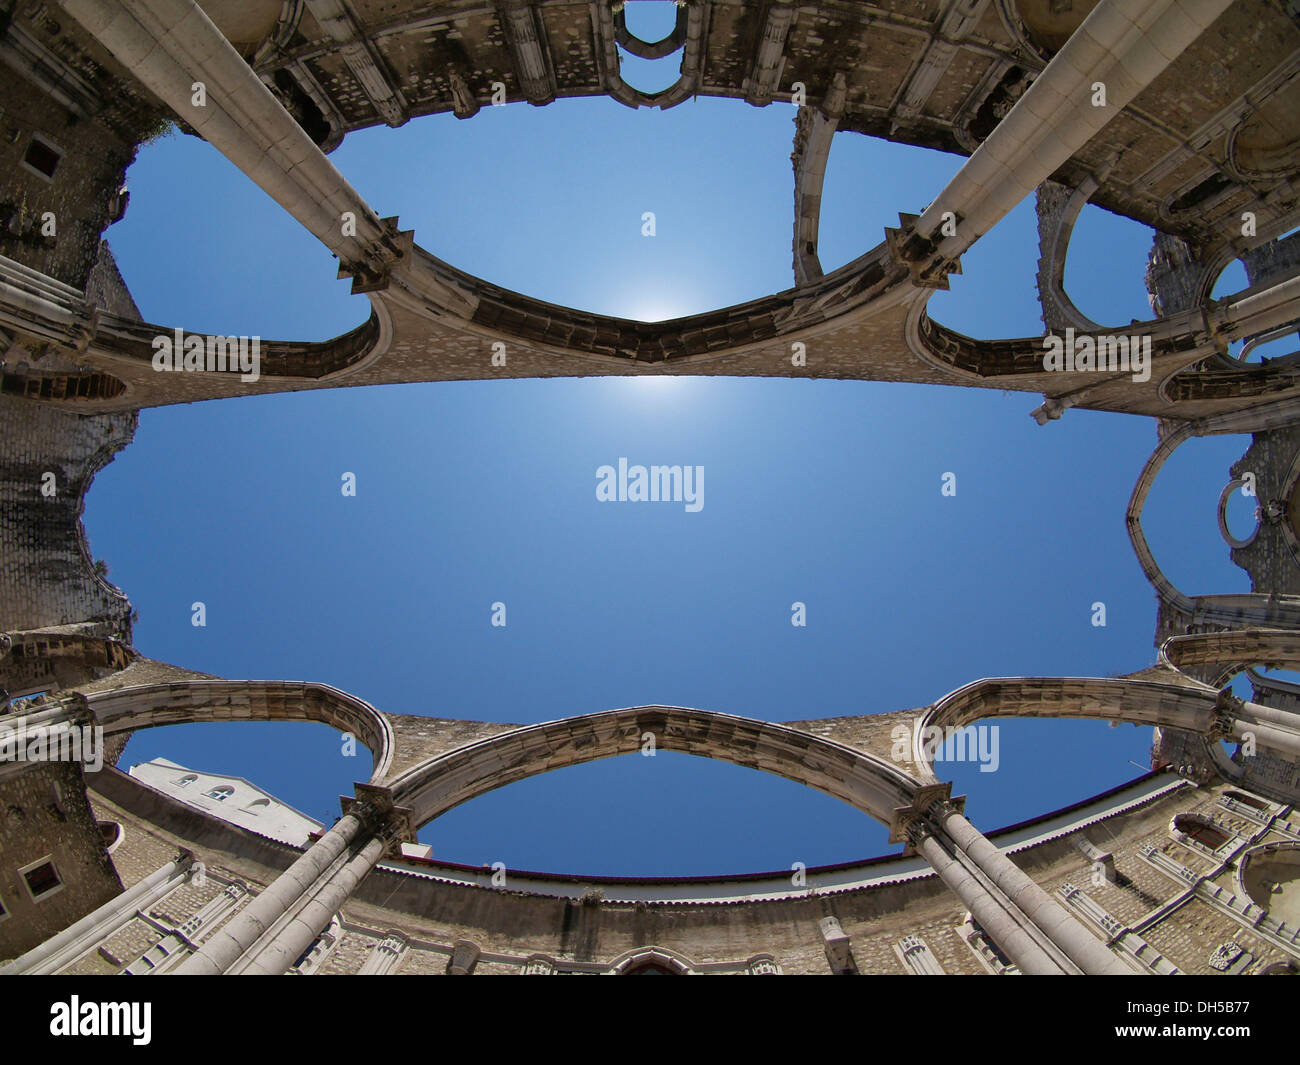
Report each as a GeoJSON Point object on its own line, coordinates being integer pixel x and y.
{"type": "Point", "coordinates": [1269, 558]}
{"type": "Point", "coordinates": [46, 576]}
{"type": "Point", "coordinates": [92, 169]}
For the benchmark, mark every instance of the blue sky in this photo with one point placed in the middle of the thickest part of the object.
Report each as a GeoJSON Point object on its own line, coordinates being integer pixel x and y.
{"type": "Point", "coordinates": [822, 492]}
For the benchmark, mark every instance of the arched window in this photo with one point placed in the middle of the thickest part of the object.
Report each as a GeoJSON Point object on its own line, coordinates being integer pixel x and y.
{"type": "Point", "coordinates": [1201, 830]}
{"type": "Point", "coordinates": [111, 833]}
{"type": "Point", "coordinates": [257, 806]}
{"type": "Point", "coordinates": [187, 780]}
{"type": "Point", "coordinates": [650, 961]}
{"type": "Point", "coordinates": [1249, 800]}
{"type": "Point", "coordinates": [221, 792]}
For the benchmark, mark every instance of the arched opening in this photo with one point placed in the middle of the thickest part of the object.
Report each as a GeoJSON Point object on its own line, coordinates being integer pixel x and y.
{"type": "Point", "coordinates": [214, 218]}
{"type": "Point", "coordinates": [1180, 522]}
{"type": "Point", "coordinates": [1011, 771]}
{"type": "Point", "coordinates": [222, 766]}
{"type": "Point", "coordinates": [650, 21]}
{"type": "Point", "coordinates": [901, 177]}
{"type": "Point", "coordinates": [1117, 294]}
{"type": "Point", "coordinates": [652, 28]}
{"type": "Point", "coordinates": [1238, 514]}
{"type": "Point", "coordinates": [668, 814]}
{"type": "Point", "coordinates": [714, 175]}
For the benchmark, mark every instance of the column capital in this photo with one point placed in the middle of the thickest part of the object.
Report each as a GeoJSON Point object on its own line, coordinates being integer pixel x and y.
{"type": "Point", "coordinates": [909, 824]}
{"type": "Point", "coordinates": [374, 806]}
{"type": "Point", "coordinates": [919, 255]}
{"type": "Point", "coordinates": [382, 254]}
{"type": "Point", "coordinates": [1227, 709]}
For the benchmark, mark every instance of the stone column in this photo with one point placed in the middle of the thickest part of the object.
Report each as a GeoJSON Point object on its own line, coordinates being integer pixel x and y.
{"type": "Point", "coordinates": [301, 929]}
{"type": "Point", "coordinates": [1124, 43]}
{"type": "Point", "coordinates": [230, 943]}
{"type": "Point", "coordinates": [1069, 936]}
{"type": "Point", "coordinates": [1000, 925]}
{"type": "Point", "coordinates": [169, 45]}
{"type": "Point", "coordinates": [1274, 730]}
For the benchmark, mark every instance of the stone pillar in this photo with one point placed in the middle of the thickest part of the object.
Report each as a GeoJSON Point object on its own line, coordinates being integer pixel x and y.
{"type": "Point", "coordinates": [1013, 939]}
{"type": "Point", "coordinates": [236, 938]}
{"type": "Point", "coordinates": [1125, 43]}
{"type": "Point", "coordinates": [169, 45]}
{"type": "Point", "coordinates": [1172, 276]}
{"type": "Point", "coordinates": [327, 898]}
{"type": "Point", "coordinates": [917, 957]}
{"type": "Point", "coordinates": [1069, 936]}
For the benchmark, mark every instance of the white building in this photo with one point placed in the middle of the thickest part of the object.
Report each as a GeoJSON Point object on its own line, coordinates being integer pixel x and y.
{"type": "Point", "coordinates": [232, 799]}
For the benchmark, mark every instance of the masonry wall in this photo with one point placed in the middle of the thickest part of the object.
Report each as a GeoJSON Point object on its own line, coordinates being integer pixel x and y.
{"type": "Point", "coordinates": [44, 813]}
{"type": "Point", "coordinates": [1269, 559]}
{"type": "Point", "coordinates": [46, 576]}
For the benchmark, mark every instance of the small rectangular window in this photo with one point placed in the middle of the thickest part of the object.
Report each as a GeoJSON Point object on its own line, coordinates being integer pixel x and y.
{"type": "Point", "coordinates": [42, 157]}
{"type": "Point", "coordinates": [42, 879]}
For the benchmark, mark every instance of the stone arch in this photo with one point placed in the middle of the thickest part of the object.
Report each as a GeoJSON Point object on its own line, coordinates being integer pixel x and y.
{"type": "Point", "coordinates": [876, 787]}
{"type": "Point", "coordinates": [1058, 207]}
{"type": "Point", "coordinates": [1224, 531]}
{"type": "Point", "coordinates": [652, 959]}
{"type": "Point", "coordinates": [193, 701]}
{"type": "Point", "coordinates": [1232, 652]}
{"type": "Point", "coordinates": [643, 49]}
{"type": "Point", "coordinates": [1187, 704]}
{"type": "Point", "coordinates": [1140, 702]}
{"type": "Point", "coordinates": [1226, 611]}
{"type": "Point", "coordinates": [1037, 932]}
